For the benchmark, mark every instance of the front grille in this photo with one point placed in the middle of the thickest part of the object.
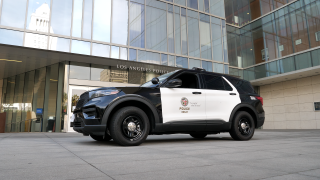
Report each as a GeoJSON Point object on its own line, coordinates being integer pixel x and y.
{"type": "Point", "coordinates": [84, 98]}
{"type": "Point", "coordinates": [77, 124]}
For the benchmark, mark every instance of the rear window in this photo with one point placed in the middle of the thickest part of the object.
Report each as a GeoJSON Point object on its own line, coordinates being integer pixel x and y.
{"type": "Point", "coordinates": [216, 83]}
{"type": "Point", "coordinates": [241, 85]}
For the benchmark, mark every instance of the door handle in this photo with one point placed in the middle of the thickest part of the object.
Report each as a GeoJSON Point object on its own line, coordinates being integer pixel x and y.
{"type": "Point", "coordinates": [233, 94]}
{"type": "Point", "coordinates": [196, 92]}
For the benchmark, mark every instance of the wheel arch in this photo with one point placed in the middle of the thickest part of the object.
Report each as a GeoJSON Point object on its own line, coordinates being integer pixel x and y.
{"type": "Point", "coordinates": [131, 100]}
{"type": "Point", "coordinates": [247, 108]}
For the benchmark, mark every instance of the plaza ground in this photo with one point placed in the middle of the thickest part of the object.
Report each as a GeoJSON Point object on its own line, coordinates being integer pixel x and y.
{"type": "Point", "coordinates": [271, 154]}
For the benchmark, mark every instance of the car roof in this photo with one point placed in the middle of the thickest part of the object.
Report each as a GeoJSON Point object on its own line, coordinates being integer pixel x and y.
{"type": "Point", "coordinates": [212, 73]}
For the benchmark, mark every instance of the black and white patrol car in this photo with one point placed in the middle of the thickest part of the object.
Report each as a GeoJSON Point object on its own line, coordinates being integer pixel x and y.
{"type": "Point", "coordinates": [194, 102]}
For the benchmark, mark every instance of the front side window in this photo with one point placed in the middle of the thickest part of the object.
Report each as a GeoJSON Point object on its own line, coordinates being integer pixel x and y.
{"type": "Point", "coordinates": [189, 80]}
{"type": "Point", "coordinates": [161, 78]}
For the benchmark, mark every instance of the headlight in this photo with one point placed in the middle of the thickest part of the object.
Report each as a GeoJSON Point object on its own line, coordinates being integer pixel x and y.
{"type": "Point", "coordinates": [100, 93]}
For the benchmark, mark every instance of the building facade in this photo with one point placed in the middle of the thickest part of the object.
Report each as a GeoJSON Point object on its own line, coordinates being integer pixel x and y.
{"type": "Point", "coordinates": [51, 51]}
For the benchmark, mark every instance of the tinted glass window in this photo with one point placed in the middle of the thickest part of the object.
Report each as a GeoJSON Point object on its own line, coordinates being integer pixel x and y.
{"type": "Point", "coordinates": [227, 85]}
{"type": "Point", "coordinates": [213, 82]}
{"type": "Point", "coordinates": [242, 86]}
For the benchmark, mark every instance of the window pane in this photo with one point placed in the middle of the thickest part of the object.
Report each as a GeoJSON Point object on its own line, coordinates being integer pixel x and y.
{"type": "Point", "coordinates": [316, 57]}
{"type": "Point", "coordinates": [120, 22]}
{"type": "Point", "coordinates": [36, 41]}
{"type": "Point", "coordinates": [181, 2]}
{"type": "Point", "coordinates": [213, 82]}
{"type": "Point", "coordinates": [87, 19]}
{"type": "Point", "coordinates": [132, 55]}
{"type": "Point", "coordinates": [217, 7]}
{"type": "Point", "coordinates": [182, 62]}
{"type": "Point", "coordinates": [303, 61]}
{"type": "Point", "coordinates": [61, 17]}
{"type": "Point", "coordinates": [184, 31]}
{"type": "Point", "coordinates": [13, 13]}
{"type": "Point", "coordinates": [123, 53]}
{"type": "Point", "coordinates": [77, 18]}
{"type": "Point", "coordinates": [115, 52]}
{"type": "Point", "coordinates": [287, 65]}
{"type": "Point", "coordinates": [225, 45]}
{"type": "Point", "coordinates": [194, 63]}
{"type": "Point", "coordinates": [226, 69]}
{"type": "Point", "coordinates": [38, 15]}
{"type": "Point", "coordinates": [218, 67]}
{"type": "Point", "coordinates": [164, 59]}
{"type": "Point", "coordinates": [11, 37]}
{"type": "Point", "coordinates": [170, 29]}
{"type": "Point", "coordinates": [156, 28]}
{"type": "Point", "coordinates": [171, 61]}
{"type": "Point", "coordinates": [177, 29]}
{"type": "Point", "coordinates": [299, 30]}
{"type": "Point", "coordinates": [193, 34]}
{"type": "Point", "coordinates": [149, 57]}
{"type": "Point", "coordinates": [80, 47]}
{"type": "Point", "coordinates": [102, 20]}
{"type": "Point", "coordinates": [216, 40]}
{"type": "Point", "coordinates": [137, 30]}
{"type": "Point", "coordinates": [206, 6]}
{"type": "Point", "coordinates": [79, 71]}
{"type": "Point", "coordinates": [100, 73]}
{"type": "Point", "coordinates": [201, 5]}
{"type": "Point", "coordinates": [193, 4]}
{"type": "Point", "coordinates": [100, 50]}
{"type": "Point", "coordinates": [59, 44]}
{"type": "Point", "coordinates": [207, 66]}
{"type": "Point", "coordinates": [205, 36]}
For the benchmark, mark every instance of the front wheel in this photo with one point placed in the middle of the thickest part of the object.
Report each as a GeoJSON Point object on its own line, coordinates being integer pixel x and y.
{"type": "Point", "coordinates": [129, 126]}
{"type": "Point", "coordinates": [243, 126]}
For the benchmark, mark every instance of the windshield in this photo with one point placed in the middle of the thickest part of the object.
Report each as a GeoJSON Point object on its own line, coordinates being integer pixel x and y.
{"type": "Point", "coordinates": [161, 78]}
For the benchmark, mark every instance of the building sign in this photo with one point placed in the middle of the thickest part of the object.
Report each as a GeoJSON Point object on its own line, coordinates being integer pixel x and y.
{"type": "Point", "coordinates": [317, 106]}
{"type": "Point", "coordinates": [142, 69]}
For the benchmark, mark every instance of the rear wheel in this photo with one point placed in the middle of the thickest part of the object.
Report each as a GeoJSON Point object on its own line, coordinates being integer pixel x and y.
{"type": "Point", "coordinates": [101, 138]}
{"type": "Point", "coordinates": [198, 135]}
{"type": "Point", "coordinates": [129, 126]}
{"type": "Point", "coordinates": [243, 126]}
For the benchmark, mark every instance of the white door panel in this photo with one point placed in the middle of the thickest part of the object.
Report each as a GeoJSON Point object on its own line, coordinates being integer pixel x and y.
{"type": "Point", "coordinates": [173, 110]}
{"type": "Point", "coordinates": [219, 104]}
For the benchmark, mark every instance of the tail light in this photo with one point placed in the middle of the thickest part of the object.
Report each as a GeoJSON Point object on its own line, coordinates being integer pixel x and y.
{"type": "Point", "coordinates": [260, 99]}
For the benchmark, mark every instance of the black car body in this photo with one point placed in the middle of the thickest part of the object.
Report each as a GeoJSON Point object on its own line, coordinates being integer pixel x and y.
{"type": "Point", "coordinates": [195, 102]}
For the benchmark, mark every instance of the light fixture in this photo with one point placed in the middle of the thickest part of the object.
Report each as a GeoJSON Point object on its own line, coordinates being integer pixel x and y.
{"type": "Point", "coordinates": [53, 80]}
{"type": "Point", "coordinates": [250, 49]}
{"type": "Point", "coordinates": [10, 60]}
{"type": "Point", "coordinates": [247, 13]}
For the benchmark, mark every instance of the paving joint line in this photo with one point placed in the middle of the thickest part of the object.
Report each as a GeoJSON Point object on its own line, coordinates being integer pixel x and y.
{"type": "Point", "coordinates": [80, 157]}
{"type": "Point", "coordinates": [294, 173]}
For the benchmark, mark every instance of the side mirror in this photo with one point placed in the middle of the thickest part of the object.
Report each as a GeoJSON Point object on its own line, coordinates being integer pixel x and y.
{"type": "Point", "coordinates": [174, 83]}
{"type": "Point", "coordinates": [155, 81]}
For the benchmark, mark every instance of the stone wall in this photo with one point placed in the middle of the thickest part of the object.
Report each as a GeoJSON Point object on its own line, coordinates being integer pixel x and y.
{"type": "Point", "coordinates": [290, 104]}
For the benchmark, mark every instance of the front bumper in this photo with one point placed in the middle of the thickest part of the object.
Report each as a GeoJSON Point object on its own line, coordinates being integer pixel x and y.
{"type": "Point", "coordinates": [89, 126]}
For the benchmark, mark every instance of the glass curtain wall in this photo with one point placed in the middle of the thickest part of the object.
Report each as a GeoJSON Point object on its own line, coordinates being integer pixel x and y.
{"type": "Point", "coordinates": [32, 101]}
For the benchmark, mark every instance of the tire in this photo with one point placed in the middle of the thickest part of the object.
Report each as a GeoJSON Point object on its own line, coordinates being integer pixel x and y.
{"type": "Point", "coordinates": [198, 135]}
{"type": "Point", "coordinates": [129, 126]}
{"type": "Point", "coordinates": [243, 126]}
{"type": "Point", "coordinates": [101, 138]}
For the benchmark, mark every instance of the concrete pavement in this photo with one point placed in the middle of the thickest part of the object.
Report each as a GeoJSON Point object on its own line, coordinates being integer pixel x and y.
{"type": "Point", "coordinates": [277, 154]}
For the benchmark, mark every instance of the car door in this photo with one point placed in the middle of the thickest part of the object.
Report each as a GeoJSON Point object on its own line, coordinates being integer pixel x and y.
{"type": "Point", "coordinates": [184, 105]}
{"type": "Point", "coordinates": [221, 98]}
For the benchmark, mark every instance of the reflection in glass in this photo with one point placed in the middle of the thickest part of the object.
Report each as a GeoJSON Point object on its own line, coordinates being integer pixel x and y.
{"type": "Point", "coordinates": [120, 22]}
{"type": "Point", "coordinates": [61, 17]}
{"type": "Point", "coordinates": [100, 50]}
{"type": "Point", "coordinates": [13, 13]}
{"type": "Point", "coordinates": [36, 41]}
{"type": "Point", "coordinates": [156, 27]}
{"type": "Point", "coordinates": [184, 40]}
{"type": "Point", "coordinates": [115, 52]}
{"type": "Point", "coordinates": [205, 36]}
{"type": "Point", "coordinates": [38, 96]}
{"type": "Point", "coordinates": [132, 55]}
{"type": "Point", "coordinates": [286, 65]}
{"type": "Point", "coordinates": [171, 61]}
{"type": "Point", "coordinates": [164, 59]}
{"type": "Point", "coordinates": [193, 4]}
{"type": "Point", "coordinates": [225, 45]}
{"type": "Point", "coordinates": [177, 29]}
{"type": "Point", "coordinates": [80, 47]}
{"type": "Point", "coordinates": [100, 73]}
{"type": "Point", "coordinates": [194, 63]}
{"type": "Point", "coordinates": [79, 71]}
{"type": "Point", "coordinates": [217, 7]}
{"type": "Point", "coordinates": [102, 20]}
{"type": "Point", "coordinates": [136, 26]}
{"type": "Point", "coordinates": [216, 40]}
{"type": "Point", "coordinates": [170, 29]}
{"type": "Point", "coordinates": [217, 67]}
{"type": "Point", "coordinates": [27, 98]}
{"type": "Point", "coordinates": [87, 19]}
{"type": "Point", "coordinates": [193, 34]}
{"type": "Point", "coordinates": [77, 18]}
{"type": "Point", "coordinates": [207, 65]}
{"type": "Point", "coordinates": [315, 57]}
{"type": "Point", "coordinates": [182, 62]}
{"type": "Point", "coordinates": [38, 15]}
{"type": "Point", "coordinates": [303, 61]}
{"type": "Point", "coordinates": [181, 2]}
{"type": "Point", "coordinates": [123, 53]}
{"type": "Point", "coordinates": [59, 44]}
{"type": "Point", "coordinates": [226, 69]}
{"type": "Point", "coordinates": [11, 37]}
{"type": "Point", "coordinates": [149, 57]}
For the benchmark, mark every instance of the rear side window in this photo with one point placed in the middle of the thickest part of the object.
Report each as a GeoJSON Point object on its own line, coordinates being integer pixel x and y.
{"type": "Point", "coordinates": [215, 83]}
{"type": "Point", "coordinates": [241, 85]}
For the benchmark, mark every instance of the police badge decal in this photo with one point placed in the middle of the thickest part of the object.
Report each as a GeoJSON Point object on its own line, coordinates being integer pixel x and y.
{"type": "Point", "coordinates": [184, 101]}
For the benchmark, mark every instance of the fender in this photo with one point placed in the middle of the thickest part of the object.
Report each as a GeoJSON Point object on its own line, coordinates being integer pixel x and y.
{"type": "Point", "coordinates": [130, 97]}
{"type": "Point", "coordinates": [241, 105]}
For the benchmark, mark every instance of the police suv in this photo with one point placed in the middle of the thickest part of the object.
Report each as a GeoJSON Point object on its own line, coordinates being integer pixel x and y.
{"type": "Point", "coordinates": [193, 102]}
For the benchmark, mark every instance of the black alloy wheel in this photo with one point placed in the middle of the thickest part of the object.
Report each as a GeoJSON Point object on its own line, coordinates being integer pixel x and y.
{"type": "Point", "coordinates": [129, 126]}
{"type": "Point", "coordinates": [242, 127]}
{"type": "Point", "coordinates": [198, 135]}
